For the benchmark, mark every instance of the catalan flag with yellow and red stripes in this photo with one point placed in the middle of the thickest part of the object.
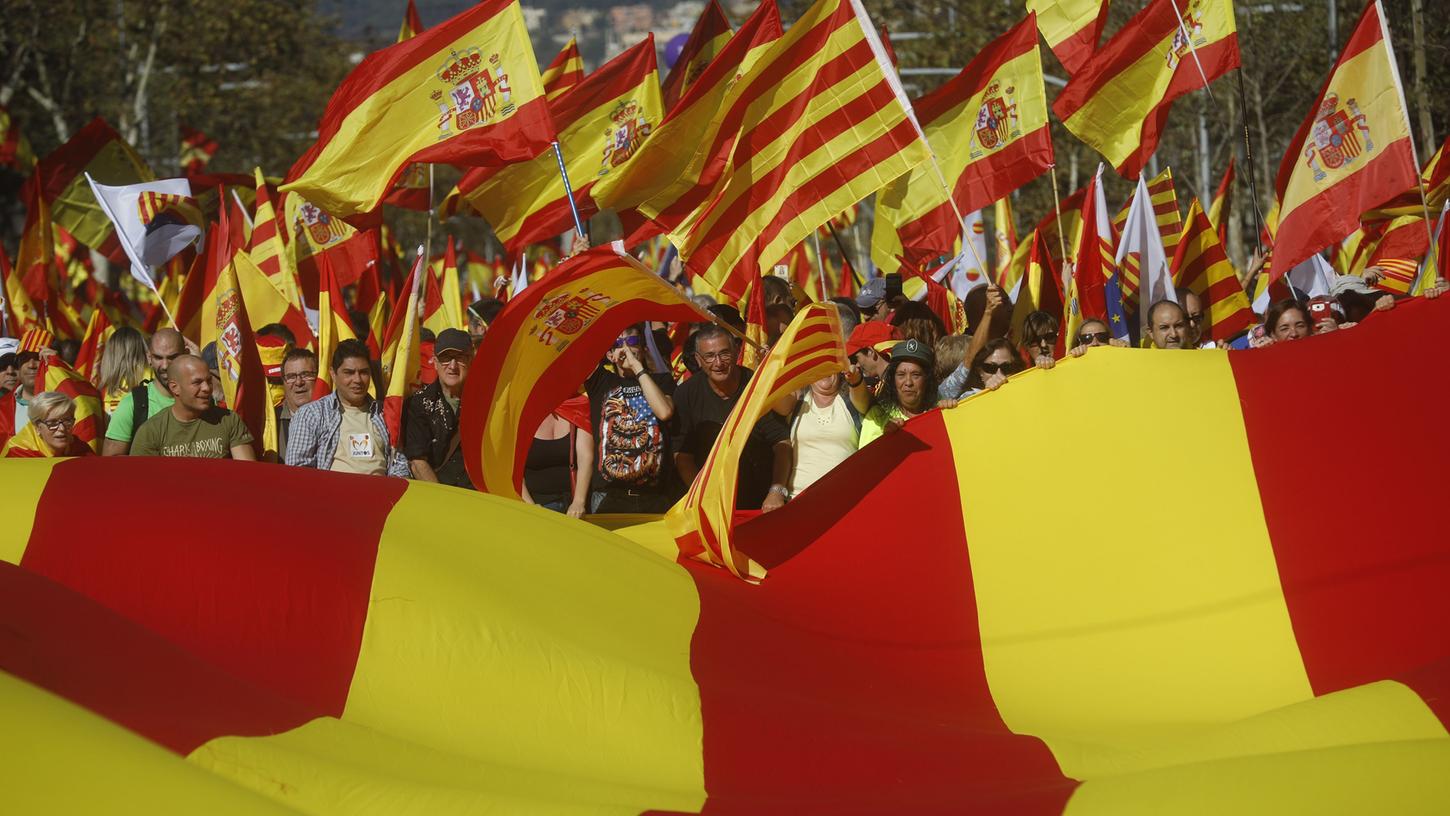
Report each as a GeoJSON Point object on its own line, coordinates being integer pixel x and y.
{"type": "Point", "coordinates": [1352, 153]}
{"type": "Point", "coordinates": [988, 128]}
{"type": "Point", "coordinates": [702, 523]}
{"type": "Point", "coordinates": [564, 72]}
{"type": "Point", "coordinates": [1218, 211]}
{"type": "Point", "coordinates": [1118, 103]}
{"type": "Point", "coordinates": [707, 39]}
{"type": "Point", "coordinates": [412, 23]}
{"type": "Point", "coordinates": [197, 148]}
{"type": "Point", "coordinates": [602, 122]}
{"type": "Point", "coordinates": [544, 343]}
{"type": "Point", "coordinates": [821, 123]}
{"type": "Point", "coordinates": [437, 651]}
{"type": "Point", "coordinates": [1201, 266]}
{"type": "Point", "coordinates": [1168, 219]}
{"type": "Point", "coordinates": [466, 91]}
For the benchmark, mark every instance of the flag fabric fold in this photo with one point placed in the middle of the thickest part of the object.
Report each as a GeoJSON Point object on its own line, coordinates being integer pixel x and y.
{"type": "Point", "coordinates": [707, 39]}
{"type": "Point", "coordinates": [564, 72]}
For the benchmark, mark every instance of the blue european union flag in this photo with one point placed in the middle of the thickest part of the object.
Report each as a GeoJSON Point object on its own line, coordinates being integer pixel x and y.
{"type": "Point", "coordinates": [1117, 318]}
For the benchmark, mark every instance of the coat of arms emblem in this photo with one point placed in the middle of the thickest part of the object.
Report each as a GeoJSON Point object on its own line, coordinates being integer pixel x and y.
{"type": "Point", "coordinates": [628, 128]}
{"type": "Point", "coordinates": [478, 92]}
{"type": "Point", "coordinates": [997, 121]}
{"type": "Point", "coordinates": [320, 228]}
{"type": "Point", "coordinates": [1340, 135]}
{"type": "Point", "coordinates": [1188, 35]}
{"type": "Point", "coordinates": [559, 318]}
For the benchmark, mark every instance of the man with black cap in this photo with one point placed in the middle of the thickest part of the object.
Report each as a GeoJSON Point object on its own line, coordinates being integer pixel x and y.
{"type": "Point", "coordinates": [871, 300]}
{"type": "Point", "coordinates": [430, 418]}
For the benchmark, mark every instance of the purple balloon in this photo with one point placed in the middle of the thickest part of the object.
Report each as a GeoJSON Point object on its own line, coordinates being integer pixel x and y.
{"type": "Point", "coordinates": [674, 47]}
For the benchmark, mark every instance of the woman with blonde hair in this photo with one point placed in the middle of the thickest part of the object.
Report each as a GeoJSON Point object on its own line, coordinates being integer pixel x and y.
{"type": "Point", "coordinates": [50, 432]}
{"type": "Point", "coordinates": [124, 365]}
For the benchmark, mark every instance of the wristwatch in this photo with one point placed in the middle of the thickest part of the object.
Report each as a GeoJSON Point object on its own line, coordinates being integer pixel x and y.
{"type": "Point", "coordinates": [781, 489]}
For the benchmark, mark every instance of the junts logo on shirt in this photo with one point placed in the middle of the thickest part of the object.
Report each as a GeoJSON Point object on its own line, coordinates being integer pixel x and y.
{"type": "Point", "coordinates": [360, 446]}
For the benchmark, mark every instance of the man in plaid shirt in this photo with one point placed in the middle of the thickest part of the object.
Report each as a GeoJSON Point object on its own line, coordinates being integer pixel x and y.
{"type": "Point", "coordinates": [344, 430]}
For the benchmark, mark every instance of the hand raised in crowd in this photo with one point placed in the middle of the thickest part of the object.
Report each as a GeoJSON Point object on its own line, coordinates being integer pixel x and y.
{"type": "Point", "coordinates": [1328, 324]}
{"type": "Point", "coordinates": [1373, 274]}
{"type": "Point", "coordinates": [577, 244]}
{"type": "Point", "coordinates": [994, 298]}
{"type": "Point", "coordinates": [1256, 262]}
{"type": "Point", "coordinates": [626, 360]}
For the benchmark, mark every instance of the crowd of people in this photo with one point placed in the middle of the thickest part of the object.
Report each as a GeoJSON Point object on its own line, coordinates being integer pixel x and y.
{"type": "Point", "coordinates": [642, 423]}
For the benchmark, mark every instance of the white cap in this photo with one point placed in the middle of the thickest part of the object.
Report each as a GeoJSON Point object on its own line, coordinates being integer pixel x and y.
{"type": "Point", "coordinates": [9, 345]}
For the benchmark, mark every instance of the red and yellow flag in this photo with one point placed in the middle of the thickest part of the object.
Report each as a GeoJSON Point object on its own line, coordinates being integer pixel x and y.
{"type": "Point", "coordinates": [1071, 28]}
{"type": "Point", "coordinates": [466, 91]}
{"type": "Point", "coordinates": [674, 170]}
{"type": "Point", "coordinates": [197, 148]}
{"type": "Point", "coordinates": [314, 232]}
{"type": "Point", "coordinates": [1352, 153]}
{"type": "Point", "coordinates": [1094, 264]}
{"type": "Point", "coordinates": [1004, 236]}
{"type": "Point", "coordinates": [564, 72]}
{"type": "Point", "coordinates": [35, 264]}
{"type": "Point", "coordinates": [1119, 102]}
{"type": "Point", "coordinates": [442, 296]}
{"type": "Point", "coordinates": [14, 147]}
{"type": "Point", "coordinates": [602, 123]}
{"type": "Point", "coordinates": [402, 353]}
{"type": "Point", "coordinates": [1201, 266]}
{"type": "Point", "coordinates": [1040, 287]}
{"type": "Point", "coordinates": [1218, 211]}
{"type": "Point", "coordinates": [810, 348]}
{"type": "Point", "coordinates": [706, 40]}
{"type": "Point", "coordinates": [821, 123]}
{"type": "Point", "coordinates": [61, 177]}
{"type": "Point", "coordinates": [239, 364]}
{"type": "Point", "coordinates": [543, 344]}
{"type": "Point", "coordinates": [412, 24]}
{"type": "Point", "coordinates": [55, 375]}
{"type": "Point", "coordinates": [988, 128]}
{"type": "Point", "coordinates": [333, 325]}
{"type": "Point", "coordinates": [1170, 228]}
{"type": "Point", "coordinates": [93, 345]}
{"type": "Point", "coordinates": [267, 246]}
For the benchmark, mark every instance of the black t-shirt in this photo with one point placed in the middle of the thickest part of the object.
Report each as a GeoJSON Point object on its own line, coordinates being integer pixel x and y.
{"type": "Point", "coordinates": [702, 414]}
{"type": "Point", "coordinates": [631, 445]}
{"type": "Point", "coordinates": [547, 468]}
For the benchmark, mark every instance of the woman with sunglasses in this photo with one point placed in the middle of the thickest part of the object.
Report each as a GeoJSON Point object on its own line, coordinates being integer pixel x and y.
{"type": "Point", "coordinates": [1093, 332]}
{"type": "Point", "coordinates": [51, 431]}
{"type": "Point", "coordinates": [1039, 338]}
{"type": "Point", "coordinates": [630, 409]}
{"type": "Point", "coordinates": [997, 361]}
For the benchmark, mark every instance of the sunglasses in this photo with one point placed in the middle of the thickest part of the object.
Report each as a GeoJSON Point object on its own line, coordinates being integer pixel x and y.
{"type": "Point", "coordinates": [1049, 338]}
{"type": "Point", "coordinates": [995, 368]}
{"type": "Point", "coordinates": [632, 341]}
{"type": "Point", "coordinates": [1094, 339]}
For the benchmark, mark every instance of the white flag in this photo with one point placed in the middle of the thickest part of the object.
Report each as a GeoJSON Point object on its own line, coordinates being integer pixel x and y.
{"type": "Point", "coordinates": [150, 234]}
{"type": "Point", "coordinates": [967, 271]}
{"type": "Point", "coordinates": [1141, 237]}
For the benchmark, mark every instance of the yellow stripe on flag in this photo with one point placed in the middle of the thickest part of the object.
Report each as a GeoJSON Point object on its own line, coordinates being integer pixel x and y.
{"type": "Point", "coordinates": [25, 489]}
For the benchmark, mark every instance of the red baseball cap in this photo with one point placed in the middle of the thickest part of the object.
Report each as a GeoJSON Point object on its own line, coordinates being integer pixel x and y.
{"type": "Point", "coordinates": [869, 335]}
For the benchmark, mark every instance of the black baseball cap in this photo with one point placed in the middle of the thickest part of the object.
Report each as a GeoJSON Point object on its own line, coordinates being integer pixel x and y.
{"type": "Point", "coordinates": [452, 340]}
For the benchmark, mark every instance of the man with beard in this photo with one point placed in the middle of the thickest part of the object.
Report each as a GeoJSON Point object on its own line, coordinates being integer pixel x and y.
{"type": "Point", "coordinates": [147, 399]}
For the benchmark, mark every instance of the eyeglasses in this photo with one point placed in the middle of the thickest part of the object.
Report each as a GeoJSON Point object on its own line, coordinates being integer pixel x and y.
{"type": "Point", "coordinates": [1195, 319]}
{"type": "Point", "coordinates": [632, 341]}
{"type": "Point", "coordinates": [299, 376]}
{"type": "Point", "coordinates": [995, 368]}
{"type": "Point", "coordinates": [58, 424]}
{"type": "Point", "coordinates": [1047, 339]}
{"type": "Point", "coordinates": [452, 359]}
{"type": "Point", "coordinates": [715, 356]}
{"type": "Point", "coordinates": [1093, 339]}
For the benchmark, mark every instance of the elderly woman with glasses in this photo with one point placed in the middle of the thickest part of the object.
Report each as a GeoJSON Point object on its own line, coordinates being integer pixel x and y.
{"type": "Point", "coordinates": [51, 431]}
{"type": "Point", "coordinates": [1094, 331]}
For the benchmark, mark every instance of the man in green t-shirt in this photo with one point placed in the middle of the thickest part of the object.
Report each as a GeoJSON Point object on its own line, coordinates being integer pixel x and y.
{"type": "Point", "coordinates": [193, 426]}
{"type": "Point", "coordinates": [147, 399]}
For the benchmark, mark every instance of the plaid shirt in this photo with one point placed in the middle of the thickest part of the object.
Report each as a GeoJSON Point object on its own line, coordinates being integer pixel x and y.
{"type": "Point", "coordinates": [313, 434]}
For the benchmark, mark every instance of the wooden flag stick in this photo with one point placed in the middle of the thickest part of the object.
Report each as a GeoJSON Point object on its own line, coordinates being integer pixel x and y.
{"type": "Point", "coordinates": [1057, 208]}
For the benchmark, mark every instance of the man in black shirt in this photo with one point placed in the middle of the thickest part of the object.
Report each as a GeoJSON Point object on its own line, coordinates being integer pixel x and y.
{"type": "Point", "coordinates": [704, 402]}
{"type": "Point", "coordinates": [430, 418]}
{"type": "Point", "coordinates": [630, 411]}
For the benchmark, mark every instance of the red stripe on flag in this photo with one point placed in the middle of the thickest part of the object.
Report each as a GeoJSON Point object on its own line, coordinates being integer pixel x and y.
{"type": "Point", "coordinates": [1366, 589]}
{"type": "Point", "coordinates": [278, 603]}
{"type": "Point", "coordinates": [802, 725]}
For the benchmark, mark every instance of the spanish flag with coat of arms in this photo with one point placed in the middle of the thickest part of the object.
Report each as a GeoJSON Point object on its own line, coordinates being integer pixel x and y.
{"type": "Point", "coordinates": [1352, 153]}
{"type": "Point", "coordinates": [602, 123]}
{"type": "Point", "coordinates": [466, 91]}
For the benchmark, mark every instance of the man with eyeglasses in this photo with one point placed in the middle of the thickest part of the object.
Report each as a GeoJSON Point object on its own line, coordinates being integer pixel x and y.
{"type": "Point", "coordinates": [703, 403]}
{"type": "Point", "coordinates": [630, 409]}
{"type": "Point", "coordinates": [1193, 312]}
{"type": "Point", "coordinates": [299, 375]}
{"type": "Point", "coordinates": [430, 420]}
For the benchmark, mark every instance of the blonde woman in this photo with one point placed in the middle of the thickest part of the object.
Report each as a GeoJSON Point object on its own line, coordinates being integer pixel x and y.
{"type": "Point", "coordinates": [123, 366]}
{"type": "Point", "coordinates": [50, 432]}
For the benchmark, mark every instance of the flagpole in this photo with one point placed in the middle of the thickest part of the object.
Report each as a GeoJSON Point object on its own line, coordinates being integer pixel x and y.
{"type": "Point", "coordinates": [1253, 173]}
{"type": "Point", "coordinates": [820, 264]}
{"type": "Point", "coordinates": [961, 219]}
{"type": "Point", "coordinates": [1409, 128]}
{"type": "Point", "coordinates": [846, 266]}
{"type": "Point", "coordinates": [1057, 207]}
{"type": "Point", "coordinates": [568, 190]}
{"type": "Point", "coordinates": [428, 230]}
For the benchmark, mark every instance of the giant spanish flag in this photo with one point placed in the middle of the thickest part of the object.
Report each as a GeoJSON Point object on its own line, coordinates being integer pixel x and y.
{"type": "Point", "coordinates": [988, 128]}
{"type": "Point", "coordinates": [602, 122]}
{"type": "Point", "coordinates": [1071, 28]}
{"type": "Point", "coordinates": [675, 170]}
{"type": "Point", "coordinates": [927, 639]}
{"type": "Point", "coordinates": [823, 123]}
{"type": "Point", "coordinates": [707, 39]}
{"type": "Point", "coordinates": [543, 344]}
{"type": "Point", "coordinates": [466, 91]}
{"type": "Point", "coordinates": [1119, 102]}
{"type": "Point", "coordinates": [1352, 153]}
